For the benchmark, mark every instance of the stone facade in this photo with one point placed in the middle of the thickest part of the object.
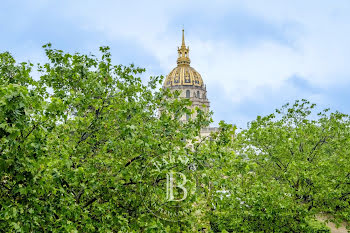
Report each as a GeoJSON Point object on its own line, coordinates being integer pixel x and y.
{"type": "Point", "coordinates": [197, 95]}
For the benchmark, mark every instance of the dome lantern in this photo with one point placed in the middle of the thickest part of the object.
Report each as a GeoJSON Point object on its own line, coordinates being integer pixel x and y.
{"type": "Point", "coordinates": [183, 52]}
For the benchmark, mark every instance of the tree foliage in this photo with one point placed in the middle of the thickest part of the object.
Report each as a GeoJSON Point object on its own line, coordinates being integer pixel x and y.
{"type": "Point", "coordinates": [74, 143]}
{"type": "Point", "coordinates": [283, 171]}
{"type": "Point", "coordinates": [75, 140]}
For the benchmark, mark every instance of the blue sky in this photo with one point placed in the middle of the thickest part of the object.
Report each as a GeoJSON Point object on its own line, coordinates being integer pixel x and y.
{"type": "Point", "coordinates": [253, 55]}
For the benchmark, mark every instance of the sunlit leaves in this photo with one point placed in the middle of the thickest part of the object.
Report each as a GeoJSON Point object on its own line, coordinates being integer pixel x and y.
{"type": "Point", "coordinates": [74, 143]}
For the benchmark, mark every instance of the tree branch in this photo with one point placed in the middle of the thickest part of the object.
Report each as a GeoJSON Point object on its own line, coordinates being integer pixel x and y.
{"type": "Point", "coordinates": [90, 202]}
{"type": "Point", "coordinates": [132, 160]}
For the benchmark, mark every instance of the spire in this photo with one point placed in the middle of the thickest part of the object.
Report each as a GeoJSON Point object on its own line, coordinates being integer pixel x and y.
{"type": "Point", "coordinates": [183, 38]}
{"type": "Point", "coordinates": [183, 52]}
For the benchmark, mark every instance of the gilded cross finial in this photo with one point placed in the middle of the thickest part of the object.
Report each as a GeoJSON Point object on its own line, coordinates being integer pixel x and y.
{"type": "Point", "coordinates": [183, 38]}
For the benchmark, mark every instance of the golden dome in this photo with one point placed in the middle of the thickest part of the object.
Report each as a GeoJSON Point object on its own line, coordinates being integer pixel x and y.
{"type": "Point", "coordinates": [183, 74]}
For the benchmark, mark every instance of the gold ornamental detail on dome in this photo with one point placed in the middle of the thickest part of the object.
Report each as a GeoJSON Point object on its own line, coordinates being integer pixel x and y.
{"type": "Point", "coordinates": [183, 74]}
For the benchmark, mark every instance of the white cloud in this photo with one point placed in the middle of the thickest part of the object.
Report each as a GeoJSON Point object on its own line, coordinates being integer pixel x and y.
{"type": "Point", "coordinates": [318, 49]}
{"type": "Point", "coordinates": [320, 53]}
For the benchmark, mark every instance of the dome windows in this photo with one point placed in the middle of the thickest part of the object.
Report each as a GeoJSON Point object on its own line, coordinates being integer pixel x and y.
{"type": "Point", "coordinates": [188, 94]}
{"type": "Point", "coordinates": [187, 77]}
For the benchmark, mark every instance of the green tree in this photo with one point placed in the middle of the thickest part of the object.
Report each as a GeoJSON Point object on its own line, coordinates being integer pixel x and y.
{"type": "Point", "coordinates": [282, 171]}
{"type": "Point", "coordinates": [74, 143]}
